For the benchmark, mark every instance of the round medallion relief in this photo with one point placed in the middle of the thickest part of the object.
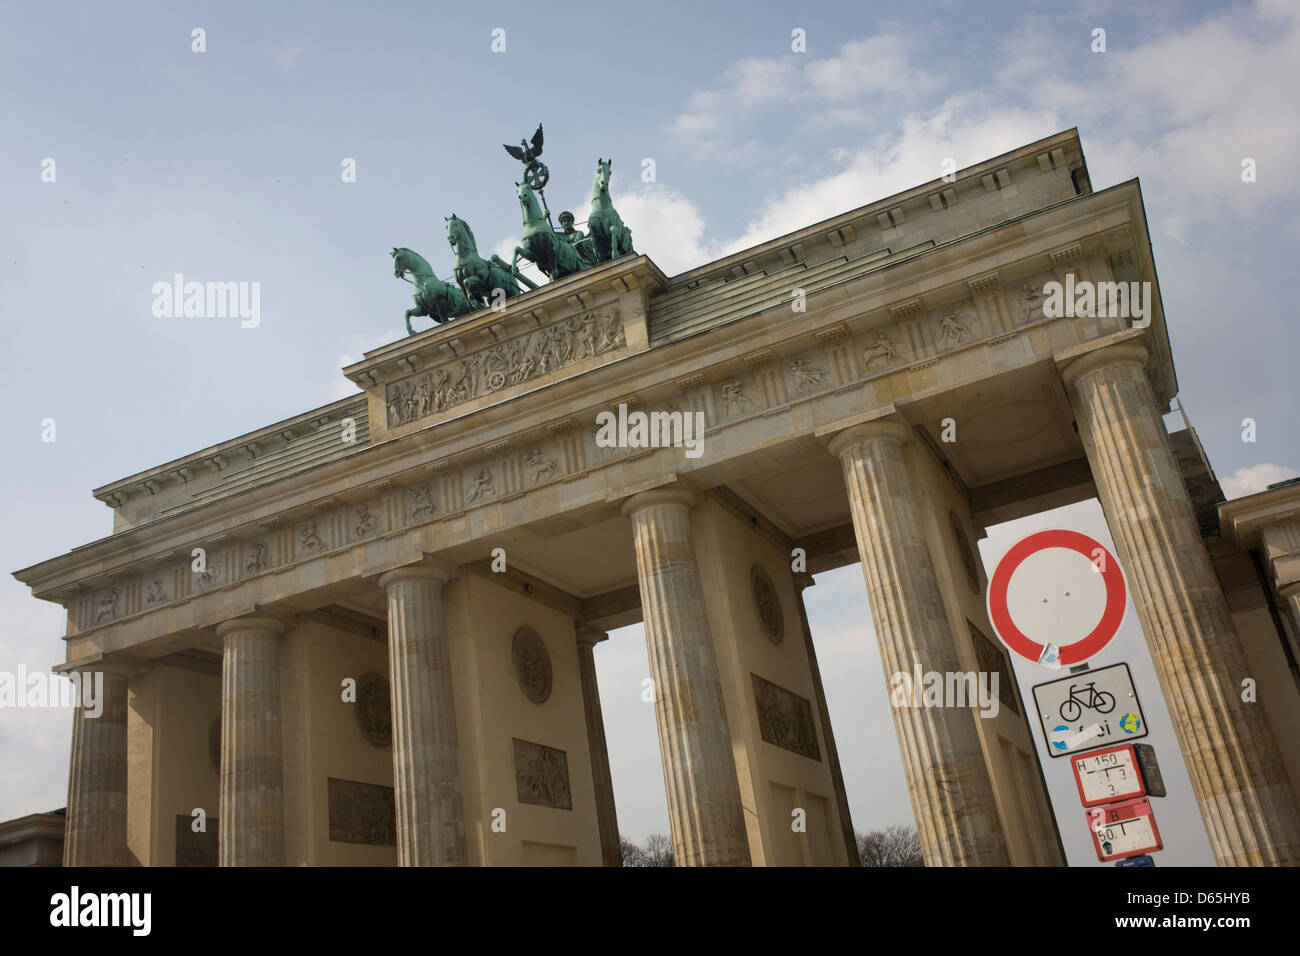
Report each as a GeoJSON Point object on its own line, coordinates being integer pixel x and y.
{"type": "Point", "coordinates": [969, 562]}
{"type": "Point", "coordinates": [532, 665]}
{"type": "Point", "coordinates": [373, 710]}
{"type": "Point", "coordinates": [768, 605]}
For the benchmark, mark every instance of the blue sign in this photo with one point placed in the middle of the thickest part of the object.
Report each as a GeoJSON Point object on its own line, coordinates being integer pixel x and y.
{"type": "Point", "coordinates": [1136, 861]}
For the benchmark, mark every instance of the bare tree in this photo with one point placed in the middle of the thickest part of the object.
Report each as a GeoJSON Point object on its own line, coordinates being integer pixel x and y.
{"type": "Point", "coordinates": [892, 846]}
{"type": "Point", "coordinates": [656, 851]}
{"type": "Point", "coordinates": [659, 850]}
{"type": "Point", "coordinates": [631, 853]}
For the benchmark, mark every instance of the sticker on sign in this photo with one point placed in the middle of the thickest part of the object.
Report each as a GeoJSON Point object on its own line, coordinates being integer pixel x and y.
{"type": "Point", "coordinates": [1121, 830]}
{"type": "Point", "coordinates": [1089, 709]}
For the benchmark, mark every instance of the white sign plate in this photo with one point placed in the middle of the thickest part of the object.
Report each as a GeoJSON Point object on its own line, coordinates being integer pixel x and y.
{"type": "Point", "coordinates": [1106, 776]}
{"type": "Point", "coordinates": [1090, 709]}
{"type": "Point", "coordinates": [1122, 830]}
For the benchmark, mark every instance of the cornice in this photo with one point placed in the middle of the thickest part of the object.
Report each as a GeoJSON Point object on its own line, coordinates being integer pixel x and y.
{"type": "Point", "coordinates": [1242, 519]}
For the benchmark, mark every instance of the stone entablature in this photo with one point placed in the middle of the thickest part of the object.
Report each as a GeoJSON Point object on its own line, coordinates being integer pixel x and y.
{"type": "Point", "coordinates": [431, 489]}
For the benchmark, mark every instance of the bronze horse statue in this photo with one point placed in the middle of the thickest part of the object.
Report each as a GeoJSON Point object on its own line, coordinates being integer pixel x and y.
{"type": "Point", "coordinates": [610, 237]}
{"type": "Point", "coordinates": [434, 298]}
{"type": "Point", "coordinates": [542, 245]}
{"type": "Point", "coordinates": [477, 277]}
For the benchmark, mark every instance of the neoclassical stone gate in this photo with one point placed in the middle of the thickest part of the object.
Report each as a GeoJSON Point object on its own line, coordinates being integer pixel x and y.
{"type": "Point", "coordinates": [455, 542]}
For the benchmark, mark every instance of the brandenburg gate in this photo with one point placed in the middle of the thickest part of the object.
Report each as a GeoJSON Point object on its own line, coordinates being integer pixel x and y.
{"type": "Point", "coordinates": [367, 635]}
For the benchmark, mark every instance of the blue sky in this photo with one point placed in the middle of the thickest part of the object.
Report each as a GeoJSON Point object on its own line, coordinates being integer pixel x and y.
{"type": "Point", "coordinates": [225, 165]}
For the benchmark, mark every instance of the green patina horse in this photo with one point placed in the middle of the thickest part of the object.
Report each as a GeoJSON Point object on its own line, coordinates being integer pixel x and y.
{"type": "Point", "coordinates": [480, 278]}
{"type": "Point", "coordinates": [434, 298]}
{"type": "Point", "coordinates": [541, 244]}
{"type": "Point", "coordinates": [610, 237]}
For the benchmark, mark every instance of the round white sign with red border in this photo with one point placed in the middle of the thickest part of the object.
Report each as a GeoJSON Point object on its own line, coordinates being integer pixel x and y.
{"type": "Point", "coordinates": [1057, 598]}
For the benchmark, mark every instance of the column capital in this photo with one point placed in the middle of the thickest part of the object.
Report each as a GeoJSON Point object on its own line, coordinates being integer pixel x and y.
{"type": "Point", "coordinates": [886, 430]}
{"type": "Point", "coordinates": [424, 570]}
{"type": "Point", "coordinates": [251, 622]}
{"type": "Point", "coordinates": [588, 635]}
{"type": "Point", "coordinates": [1074, 366]}
{"type": "Point", "coordinates": [682, 497]}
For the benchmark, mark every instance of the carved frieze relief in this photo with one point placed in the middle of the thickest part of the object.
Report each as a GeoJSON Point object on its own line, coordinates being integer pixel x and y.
{"type": "Point", "coordinates": [736, 400]}
{"type": "Point", "coordinates": [955, 324]}
{"type": "Point", "coordinates": [518, 360]}
{"type": "Point", "coordinates": [108, 605]}
{"type": "Point", "coordinates": [155, 592]}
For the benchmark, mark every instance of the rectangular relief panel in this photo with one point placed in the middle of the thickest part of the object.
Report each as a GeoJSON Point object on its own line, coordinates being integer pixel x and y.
{"type": "Point", "coordinates": [542, 775]}
{"type": "Point", "coordinates": [992, 660]}
{"type": "Point", "coordinates": [785, 719]}
{"type": "Point", "coordinates": [362, 813]}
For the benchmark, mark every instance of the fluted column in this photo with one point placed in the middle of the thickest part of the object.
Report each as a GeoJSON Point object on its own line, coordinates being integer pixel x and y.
{"type": "Point", "coordinates": [251, 831]}
{"type": "Point", "coordinates": [948, 779]}
{"type": "Point", "coordinates": [426, 759]}
{"type": "Point", "coordinates": [611, 853]}
{"type": "Point", "coordinates": [704, 807]}
{"type": "Point", "coordinates": [803, 581]}
{"type": "Point", "coordinates": [1234, 762]}
{"type": "Point", "coordinates": [95, 833]}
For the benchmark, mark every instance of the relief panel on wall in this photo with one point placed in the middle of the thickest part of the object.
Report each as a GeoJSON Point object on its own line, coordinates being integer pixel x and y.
{"type": "Point", "coordinates": [542, 775]}
{"type": "Point", "coordinates": [785, 719]}
{"type": "Point", "coordinates": [362, 813]}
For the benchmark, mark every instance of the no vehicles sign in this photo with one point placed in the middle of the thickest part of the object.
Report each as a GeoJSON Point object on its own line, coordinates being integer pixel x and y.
{"type": "Point", "coordinates": [1057, 598]}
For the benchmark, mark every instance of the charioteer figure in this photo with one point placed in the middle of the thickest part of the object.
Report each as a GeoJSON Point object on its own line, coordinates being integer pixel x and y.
{"type": "Point", "coordinates": [577, 238]}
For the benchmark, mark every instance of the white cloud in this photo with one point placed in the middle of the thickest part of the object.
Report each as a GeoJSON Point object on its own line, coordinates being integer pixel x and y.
{"type": "Point", "coordinates": [879, 64]}
{"type": "Point", "coordinates": [667, 227]}
{"type": "Point", "coordinates": [1182, 110]}
{"type": "Point", "coordinates": [1256, 478]}
{"type": "Point", "coordinates": [814, 91]}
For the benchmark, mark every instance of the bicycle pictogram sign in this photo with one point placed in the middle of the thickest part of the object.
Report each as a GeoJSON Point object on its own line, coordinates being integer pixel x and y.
{"type": "Point", "coordinates": [1078, 701]}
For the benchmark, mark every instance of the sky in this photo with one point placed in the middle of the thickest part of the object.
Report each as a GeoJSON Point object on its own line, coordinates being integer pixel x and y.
{"type": "Point", "coordinates": [226, 165]}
